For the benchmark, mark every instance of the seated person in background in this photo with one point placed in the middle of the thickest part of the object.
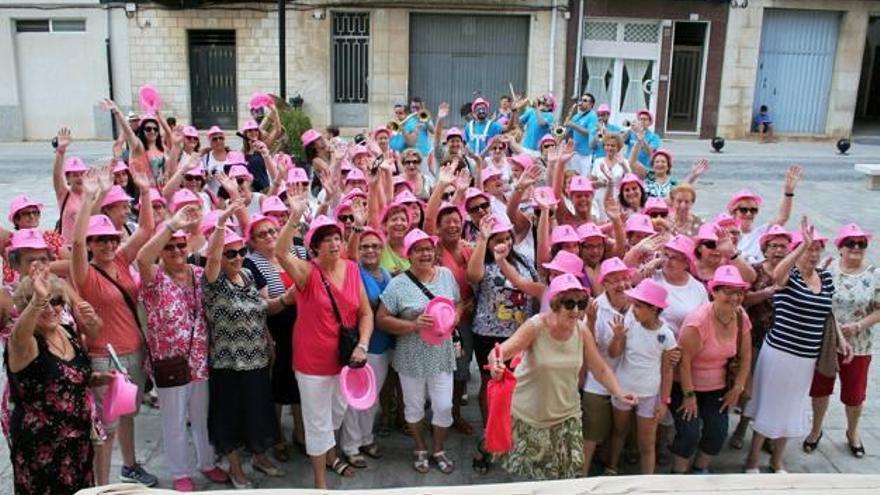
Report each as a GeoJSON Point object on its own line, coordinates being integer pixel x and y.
{"type": "Point", "coordinates": [764, 124]}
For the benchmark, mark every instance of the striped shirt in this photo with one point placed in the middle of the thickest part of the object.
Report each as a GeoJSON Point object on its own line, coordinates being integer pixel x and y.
{"type": "Point", "coordinates": [800, 316]}
{"type": "Point", "coordinates": [266, 274]}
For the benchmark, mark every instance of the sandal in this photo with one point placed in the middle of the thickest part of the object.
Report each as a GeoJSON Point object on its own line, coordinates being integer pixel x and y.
{"type": "Point", "coordinates": [358, 461]}
{"type": "Point", "coordinates": [421, 463]}
{"type": "Point", "coordinates": [341, 468]}
{"type": "Point", "coordinates": [857, 452]}
{"type": "Point", "coordinates": [462, 426]}
{"type": "Point", "coordinates": [809, 447]}
{"type": "Point", "coordinates": [444, 463]}
{"type": "Point", "coordinates": [373, 450]}
{"type": "Point", "coordinates": [281, 453]}
{"type": "Point", "coordinates": [482, 460]}
{"type": "Point", "coordinates": [736, 442]}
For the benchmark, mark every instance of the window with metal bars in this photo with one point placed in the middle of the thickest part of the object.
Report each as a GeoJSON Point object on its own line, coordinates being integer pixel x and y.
{"type": "Point", "coordinates": [351, 50]}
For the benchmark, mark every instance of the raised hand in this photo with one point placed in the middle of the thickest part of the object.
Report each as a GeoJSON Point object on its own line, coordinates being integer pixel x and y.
{"type": "Point", "coordinates": [109, 105]}
{"type": "Point", "coordinates": [592, 313]}
{"type": "Point", "coordinates": [699, 168]}
{"type": "Point", "coordinates": [186, 218]}
{"type": "Point", "coordinates": [462, 179]}
{"type": "Point", "coordinates": [298, 206]}
{"type": "Point", "coordinates": [64, 139]}
{"type": "Point", "coordinates": [39, 275]}
{"type": "Point", "coordinates": [617, 326]}
{"type": "Point", "coordinates": [529, 177]}
{"type": "Point", "coordinates": [443, 111]}
{"type": "Point", "coordinates": [260, 147]}
{"type": "Point", "coordinates": [177, 136]}
{"type": "Point", "coordinates": [792, 177]}
{"type": "Point", "coordinates": [142, 182]}
{"type": "Point", "coordinates": [226, 182]}
{"type": "Point", "coordinates": [612, 208]}
{"type": "Point", "coordinates": [446, 175]}
{"type": "Point", "coordinates": [808, 232]}
{"type": "Point", "coordinates": [500, 251]}
{"type": "Point", "coordinates": [486, 224]}
{"type": "Point", "coordinates": [359, 210]}
{"type": "Point", "coordinates": [231, 209]}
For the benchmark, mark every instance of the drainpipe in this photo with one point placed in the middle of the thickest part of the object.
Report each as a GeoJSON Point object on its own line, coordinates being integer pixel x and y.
{"type": "Point", "coordinates": [282, 49]}
{"type": "Point", "coordinates": [552, 58]}
{"type": "Point", "coordinates": [109, 52]}
{"type": "Point", "coordinates": [578, 59]}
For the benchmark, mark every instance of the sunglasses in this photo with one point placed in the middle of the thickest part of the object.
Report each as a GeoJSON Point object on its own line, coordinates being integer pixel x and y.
{"type": "Point", "coordinates": [854, 244]}
{"type": "Point", "coordinates": [476, 208]}
{"type": "Point", "coordinates": [240, 181]}
{"type": "Point", "coordinates": [192, 177]}
{"type": "Point", "coordinates": [585, 100]}
{"type": "Point", "coordinates": [180, 246]}
{"type": "Point", "coordinates": [658, 214]}
{"type": "Point", "coordinates": [231, 254]}
{"type": "Point", "coordinates": [744, 210]}
{"type": "Point", "coordinates": [106, 239]}
{"type": "Point", "coordinates": [57, 301]}
{"type": "Point", "coordinates": [570, 304]}
{"type": "Point", "coordinates": [151, 129]}
{"type": "Point", "coordinates": [548, 146]}
{"type": "Point", "coordinates": [709, 244]}
{"type": "Point", "coordinates": [190, 138]}
{"type": "Point", "coordinates": [218, 138]}
{"type": "Point", "coordinates": [411, 162]}
{"type": "Point", "coordinates": [266, 233]}
{"type": "Point", "coordinates": [345, 218]}
{"type": "Point", "coordinates": [28, 213]}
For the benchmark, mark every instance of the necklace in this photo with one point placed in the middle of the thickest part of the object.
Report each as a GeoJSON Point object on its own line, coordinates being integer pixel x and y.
{"type": "Point", "coordinates": [61, 350]}
{"type": "Point", "coordinates": [723, 323]}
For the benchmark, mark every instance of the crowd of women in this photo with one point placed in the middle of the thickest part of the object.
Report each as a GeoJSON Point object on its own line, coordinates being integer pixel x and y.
{"type": "Point", "coordinates": [239, 282]}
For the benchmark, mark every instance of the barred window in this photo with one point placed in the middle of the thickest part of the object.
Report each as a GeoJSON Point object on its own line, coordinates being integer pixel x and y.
{"type": "Point", "coordinates": [351, 49]}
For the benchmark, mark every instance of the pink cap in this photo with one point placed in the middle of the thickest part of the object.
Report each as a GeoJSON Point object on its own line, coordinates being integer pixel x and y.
{"type": "Point", "coordinates": [406, 197]}
{"type": "Point", "coordinates": [415, 236]}
{"type": "Point", "coordinates": [603, 108]}
{"type": "Point", "coordinates": [116, 195]}
{"type": "Point", "coordinates": [797, 239]}
{"type": "Point", "coordinates": [443, 312]}
{"type": "Point", "coordinates": [631, 179]}
{"type": "Point", "coordinates": [26, 239]}
{"type": "Point", "coordinates": [564, 233]}
{"type": "Point", "coordinates": [237, 171]}
{"type": "Point", "coordinates": [566, 262]}
{"type": "Point", "coordinates": [773, 231]}
{"type": "Point", "coordinates": [393, 207]}
{"type": "Point", "coordinates": [380, 130]}
{"type": "Point", "coordinates": [231, 237]}
{"type": "Point", "coordinates": [639, 223]}
{"type": "Point", "coordinates": [272, 204]}
{"type": "Point", "coordinates": [447, 206]}
{"type": "Point", "coordinates": [588, 230]}
{"type": "Point", "coordinates": [727, 276]}
{"type": "Point", "coordinates": [250, 125]}
{"type": "Point", "coordinates": [646, 112]}
{"type": "Point", "coordinates": [21, 202]}
{"type": "Point", "coordinates": [682, 244]}
{"type": "Point", "coordinates": [707, 233]}
{"type": "Point", "coordinates": [500, 225]}
{"type": "Point", "coordinates": [613, 265]}
{"type": "Point", "coordinates": [317, 223]}
{"type": "Point", "coordinates": [523, 160]}
{"type": "Point", "coordinates": [655, 204]}
{"type": "Point", "coordinates": [197, 171]}
{"type": "Point", "coordinates": [649, 292]}
{"type": "Point", "coordinates": [479, 102]}
{"type": "Point", "coordinates": [544, 196]}
{"type": "Point", "coordinates": [260, 100]}
{"type": "Point", "coordinates": [371, 231]}
{"type": "Point", "coordinates": [183, 197]}
{"type": "Point", "coordinates": [155, 196]}
{"type": "Point", "coordinates": [580, 183]}
{"type": "Point", "coordinates": [726, 220]}
{"type": "Point", "coordinates": [850, 230]}
{"type": "Point", "coordinates": [473, 192]}
{"type": "Point", "coordinates": [177, 234]}
{"type": "Point", "coordinates": [235, 158]}
{"type": "Point", "coordinates": [355, 175]}
{"type": "Point", "coordinates": [101, 225]}
{"type": "Point", "coordinates": [489, 173]}
{"type": "Point", "coordinates": [545, 139]}
{"type": "Point", "coordinates": [358, 386]}
{"type": "Point", "coordinates": [340, 208]}
{"type": "Point", "coordinates": [190, 131]}
{"type": "Point", "coordinates": [309, 137]}
{"type": "Point", "coordinates": [214, 130]}
{"type": "Point", "coordinates": [550, 100]}
{"type": "Point", "coordinates": [119, 166]}
{"type": "Point", "coordinates": [742, 195]}
{"type": "Point", "coordinates": [297, 175]}
{"type": "Point", "coordinates": [564, 283]}
{"type": "Point", "coordinates": [401, 180]}
{"type": "Point", "coordinates": [454, 132]}
{"type": "Point", "coordinates": [254, 221]}
{"type": "Point", "coordinates": [664, 152]}
{"type": "Point", "coordinates": [360, 150]}
{"type": "Point", "coordinates": [354, 193]}
{"type": "Point", "coordinates": [74, 164]}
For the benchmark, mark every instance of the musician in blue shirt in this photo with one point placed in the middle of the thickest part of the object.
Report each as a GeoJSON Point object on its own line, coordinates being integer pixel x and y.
{"type": "Point", "coordinates": [481, 128]}
{"type": "Point", "coordinates": [537, 121]}
{"type": "Point", "coordinates": [581, 125]}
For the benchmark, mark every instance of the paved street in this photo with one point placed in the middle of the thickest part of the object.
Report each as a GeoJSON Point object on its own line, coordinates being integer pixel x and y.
{"type": "Point", "coordinates": [831, 194]}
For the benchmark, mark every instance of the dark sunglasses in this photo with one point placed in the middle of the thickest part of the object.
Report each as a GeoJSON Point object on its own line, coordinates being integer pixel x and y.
{"type": "Point", "coordinates": [28, 213]}
{"type": "Point", "coordinates": [548, 146]}
{"type": "Point", "coordinates": [231, 254]}
{"type": "Point", "coordinates": [448, 195]}
{"type": "Point", "coordinates": [476, 208]}
{"type": "Point", "coordinates": [854, 244]}
{"type": "Point", "coordinates": [106, 239]}
{"type": "Point", "coordinates": [193, 177]}
{"type": "Point", "coordinates": [570, 304]}
{"type": "Point", "coordinates": [743, 210]}
{"type": "Point", "coordinates": [709, 244]}
{"type": "Point", "coordinates": [345, 218]}
{"type": "Point", "coordinates": [150, 128]}
{"type": "Point", "coordinates": [180, 246]}
{"type": "Point", "coordinates": [586, 100]}
{"type": "Point", "coordinates": [240, 181]}
{"type": "Point", "coordinates": [57, 301]}
{"type": "Point", "coordinates": [658, 214]}
{"type": "Point", "coordinates": [411, 162]}
{"type": "Point", "coordinates": [218, 138]}
{"type": "Point", "coordinates": [191, 138]}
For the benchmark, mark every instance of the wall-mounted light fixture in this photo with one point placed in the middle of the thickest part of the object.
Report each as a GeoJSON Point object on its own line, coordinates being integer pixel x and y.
{"type": "Point", "coordinates": [130, 9]}
{"type": "Point", "coordinates": [739, 4]}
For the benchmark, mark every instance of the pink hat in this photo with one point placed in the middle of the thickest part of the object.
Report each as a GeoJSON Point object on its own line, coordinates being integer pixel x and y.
{"type": "Point", "coordinates": [564, 233]}
{"type": "Point", "coordinates": [773, 231]}
{"type": "Point", "coordinates": [155, 196]}
{"type": "Point", "coordinates": [235, 158]}
{"type": "Point", "coordinates": [119, 166]}
{"type": "Point", "coordinates": [116, 195]}
{"type": "Point", "coordinates": [341, 207]}
{"type": "Point", "coordinates": [26, 239]}
{"type": "Point", "coordinates": [355, 175]}
{"type": "Point", "coordinates": [354, 193]}
{"type": "Point", "coordinates": [209, 221]}
{"type": "Point", "coordinates": [473, 192]}
{"type": "Point", "coordinates": [346, 165]}
{"type": "Point", "coordinates": [566, 262]}
{"type": "Point", "coordinates": [260, 100]}
{"type": "Point", "coordinates": [564, 283]}
{"type": "Point", "coordinates": [148, 98]}
{"type": "Point", "coordinates": [588, 230]}
{"type": "Point", "coordinates": [406, 197]}
{"type": "Point", "coordinates": [443, 312]}
{"type": "Point", "coordinates": [380, 130]}
{"type": "Point", "coordinates": [447, 206]}
{"type": "Point", "coordinates": [74, 164]}
{"type": "Point", "coordinates": [392, 208]}
{"type": "Point", "coordinates": [237, 171]}
{"type": "Point", "coordinates": [497, 140]}
{"type": "Point", "coordinates": [550, 100]}
{"type": "Point", "coordinates": [639, 223]}
{"type": "Point", "coordinates": [371, 231]}
{"type": "Point", "coordinates": [649, 292]}
{"type": "Point", "coordinates": [707, 233]}
{"type": "Point", "coordinates": [231, 237]}
{"type": "Point", "coordinates": [742, 195]}
{"type": "Point", "coordinates": [254, 221]}
{"type": "Point", "coordinates": [120, 398]}
{"type": "Point", "coordinates": [682, 244]}
{"type": "Point", "coordinates": [726, 220]}
{"type": "Point", "coordinates": [664, 152]}
{"type": "Point", "coordinates": [546, 138]}
{"type": "Point", "coordinates": [190, 131]}
{"type": "Point", "coordinates": [580, 183]}
{"type": "Point", "coordinates": [489, 173]}
{"type": "Point", "coordinates": [101, 225]}
{"type": "Point", "coordinates": [603, 108]}
{"type": "Point", "coordinates": [646, 112]}
{"type": "Point", "coordinates": [415, 236]}
{"type": "Point", "coordinates": [850, 230]}
{"type": "Point", "coordinates": [297, 175]}
{"type": "Point", "coordinates": [272, 204]}
{"type": "Point", "coordinates": [284, 159]}
{"type": "Point", "coordinates": [358, 386]}
{"type": "Point", "coordinates": [797, 239]}
{"type": "Point", "coordinates": [214, 130]}
{"type": "Point", "coordinates": [197, 171]}
{"type": "Point", "coordinates": [655, 204]}
{"type": "Point", "coordinates": [183, 197]}
{"type": "Point", "coordinates": [21, 202]}
{"type": "Point", "coordinates": [500, 225]}
{"type": "Point", "coordinates": [250, 125]}
{"type": "Point", "coordinates": [401, 180]}
{"type": "Point", "coordinates": [479, 102]}
{"type": "Point", "coordinates": [360, 150]}
{"type": "Point", "coordinates": [454, 132]}
{"type": "Point", "coordinates": [727, 276]}
{"type": "Point", "coordinates": [176, 234]}
{"type": "Point", "coordinates": [631, 179]}
{"type": "Point", "coordinates": [613, 265]}
{"type": "Point", "coordinates": [309, 137]}
{"type": "Point", "coordinates": [319, 222]}
{"type": "Point", "coordinates": [544, 196]}
{"type": "Point", "coordinates": [523, 160]}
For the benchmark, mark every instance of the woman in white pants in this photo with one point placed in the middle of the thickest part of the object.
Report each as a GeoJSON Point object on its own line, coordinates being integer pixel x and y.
{"type": "Point", "coordinates": [425, 370]}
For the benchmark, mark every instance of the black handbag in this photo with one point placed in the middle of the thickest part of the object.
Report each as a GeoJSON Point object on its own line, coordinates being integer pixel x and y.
{"type": "Point", "coordinates": [348, 336]}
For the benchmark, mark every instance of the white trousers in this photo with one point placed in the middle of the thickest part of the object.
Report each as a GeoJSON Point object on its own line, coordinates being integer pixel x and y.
{"type": "Point", "coordinates": [438, 388]}
{"type": "Point", "coordinates": [357, 427]}
{"type": "Point", "coordinates": [179, 404]}
{"type": "Point", "coordinates": [323, 409]}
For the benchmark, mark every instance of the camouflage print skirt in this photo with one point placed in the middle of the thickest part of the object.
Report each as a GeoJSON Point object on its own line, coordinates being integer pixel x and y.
{"type": "Point", "coordinates": [546, 453]}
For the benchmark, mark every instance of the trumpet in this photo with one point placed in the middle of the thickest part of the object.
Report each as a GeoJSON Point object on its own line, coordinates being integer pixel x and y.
{"type": "Point", "coordinates": [559, 131]}
{"type": "Point", "coordinates": [393, 126]}
{"type": "Point", "coordinates": [523, 103]}
{"type": "Point", "coordinates": [424, 116]}
{"type": "Point", "coordinates": [571, 113]}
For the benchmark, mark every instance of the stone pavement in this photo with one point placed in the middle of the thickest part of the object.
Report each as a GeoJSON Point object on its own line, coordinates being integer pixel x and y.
{"type": "Point", "coordinates": [830, 193]}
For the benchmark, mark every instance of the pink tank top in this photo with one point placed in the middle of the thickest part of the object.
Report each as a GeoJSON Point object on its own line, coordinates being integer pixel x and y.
{"type": "Point", "coordinates": [709, 366]}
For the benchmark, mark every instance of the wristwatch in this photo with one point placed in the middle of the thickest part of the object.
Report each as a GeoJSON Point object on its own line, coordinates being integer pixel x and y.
{"type": "Point", "coordinates": [363, 347]}
{"type": "Point", "coordinates": [689, 393]}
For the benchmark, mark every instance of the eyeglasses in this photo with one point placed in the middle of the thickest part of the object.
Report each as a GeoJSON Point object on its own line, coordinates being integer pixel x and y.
{"type": "Point", "coordinates": [150, 128]}
{"type": "Point", "coordinates": [570, 304]}
{"type": "Point", "coordinates": [29, 213]}
{"type": "Point", "coordinates": [265, 234]}
{"type": "Point", "coordinates": [345, 218]}
{"type": "Point", "coordinates": [774, 245]}
{"type": "Point", "coordinates": [231, 254]}
{"type": "Point", "coordinates": [191, 138]}
{"type": "Point", "coordinates": [476, 208]}
{"type": "Point", "coordinates": [106, 239]}
{"type": "Point", "coordinates": [180, 246]}
{"type": "Point", "coordinates": [368, 247]}
{"type": "Point", "coordinates": [448, 195]}
{"type": "Point", "coordinates": [548, 146]}
{"type": "Point", "coordinates": [854, 244]}
{"type": "Point", "coordinates": [411, 162]}
{"type": "Point", "coordinates": [240, 181]}
{"type": "Point", "coordinates": [658, 214]}
{"type": "Point", "coordinates": [743, 210]}
{"type": "Point", "coordinates": [218, 138]}
{"type": "Point", "coordinates": [192, 177]}
{"type": "Point", "coordinates": [709, 244]}
{"type": "Point", "coordinates": [57, 301]}
{"type": "Point", "coordinates": [158, 206]}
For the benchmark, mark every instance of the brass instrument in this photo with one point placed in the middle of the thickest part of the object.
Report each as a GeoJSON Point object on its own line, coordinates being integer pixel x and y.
{"type": "Point", "coordinates": [570, 113]}
{"type": "Point", "coordinates": [522, 103]}
{"type": "Point", "coordinates": [559, 131]}
{"type": "Point", "coordinates": [424, 116]}
{"type": "Point", "coordinates": [393, 126]}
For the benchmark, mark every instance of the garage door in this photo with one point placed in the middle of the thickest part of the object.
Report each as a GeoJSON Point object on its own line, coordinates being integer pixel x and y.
{"type": "Point", "coordinates": [454, 57]}
{"type": "Point", "coordinates": [794, 68]}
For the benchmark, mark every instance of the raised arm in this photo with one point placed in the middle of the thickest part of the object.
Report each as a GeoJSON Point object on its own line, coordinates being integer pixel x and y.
{"type": "Point", "coordinates": [543, 235]}
{"type": "Point", "coordinates": [134, 144]}
{"type": "Point", "coordinates": [173, 184]}
{"type": "Point", "coordinates": [476, 269]}
{"type": "Point", "coordinates": [185, 219]}
{"type": "Point", "coordinates": [445, 177]}
{"type": "Point", "coordinates": [146, 222]}
{"type": "Point", "coordinates": [783, 269]}
{"type": "Point", "coordinates": [58, 180]}
{"type": "Point", "coordinates": [699, 168]}
{"type": "Point", "coordinates": [22, 345]}
{"type": "Point", "coordinates": [297, 269]}
{"type": "Point", "coordinates": [792, 177]}
{"type": "Point", "coordinates": [521, 223]}
{"type": "Point", "coordinates": [215, 242]}
{"type": "Point", "coordinates": [529, 287]}
{"type": "Point", "coordinates": [79, 256]}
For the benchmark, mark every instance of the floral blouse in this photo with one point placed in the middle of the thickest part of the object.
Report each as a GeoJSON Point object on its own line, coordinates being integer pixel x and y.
{"type": "Point", "coordinates": [173, 314]}
{"type": "Point", "coordinates": [857, 296]}
{"type": "Point", "coordinates": [501, 307]}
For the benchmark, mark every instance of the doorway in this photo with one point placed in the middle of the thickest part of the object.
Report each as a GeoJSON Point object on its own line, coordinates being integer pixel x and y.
{"type": "Point", "coordinates": [868, 102]}
{"type": "Point", "coordinates": [687, 75]}
{"type": "Point", "coordinates": [212, 78]}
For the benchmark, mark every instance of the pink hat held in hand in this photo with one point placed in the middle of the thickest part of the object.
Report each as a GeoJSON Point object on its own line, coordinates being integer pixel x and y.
{"type": "Point", "coordinates": [727, 276]}
{"type": "Point", "coordinates": [454, 132]}
{"type": "Point", "coordinates": [564, 233]}
{"type": "Point", "coordinates": [297, 175]}
{"type": "Point", "coordinates": [649, 292]}
{"type": "Point", "coordinates": [566, 262]}
{"type": "Point", "coordinates": [522, 159]}
{"type": "Point", "coordinates": [589, 230]}
{"type": "Point", "coordinates": [272, 204]}
{"type": "Point", "coordinates": [580, 183]}
{"type": "Point", "coordinates": [564, 283]}
{"type": "Point", "coordinates": [235, 158]}
{"type": "Point", "coordinates": [190, 132]}
{"type": "Point", "coordinates": [21, 202]}
{"type": "Point", "coordinates": [74, 164]}
{"type": "Point", "coordinates": [260, 100]}
{"type": "Point", "coordinates": [639, 223]}
{"type": "Point", "coordinates": [215, 131]}
{"type": "Point", "coordinates": [250, 125]}
{"type": "Point", "coordinates": [358, 386]}
{"type": "Point", "coordinates": [774, 231]}
{"type": "Point", "coordinates": [613, 265]}
{"type": "Point", "coordinates": [741, 195]}
{"type": "Point", "coordinates": [116, 195]}
{"type": "Point", "coordinates": [101, 225]}
{"type": "Point", "coordinates": [237, 171]}
{"type": "Point", "coordinates": [850, 230]}
{"type": "Point", "coordinates": [317, 223]}
{"type": "Point", "coordinates": [309, 137]}
{"type": "Point", "coordinates": [183, 197]}
{"type": "Point", "coordinates": [26, 239]}
{"type": "Point", "coordinates": [415, 236]}
{"type": "Point", "coordinates": [443, 311]}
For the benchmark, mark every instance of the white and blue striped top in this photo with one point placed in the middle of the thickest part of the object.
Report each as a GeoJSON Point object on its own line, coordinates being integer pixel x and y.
{"type": "Point", "coordinates": [800, 315]}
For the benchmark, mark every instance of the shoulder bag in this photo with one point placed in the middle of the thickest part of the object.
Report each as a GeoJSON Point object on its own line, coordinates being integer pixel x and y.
{"type": "Point", "coordinates": [734, 363]}
{"type": "Point", "coordinates": [348, 336]}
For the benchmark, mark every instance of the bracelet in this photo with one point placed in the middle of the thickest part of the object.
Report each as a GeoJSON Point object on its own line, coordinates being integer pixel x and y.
{"type": "Point", "coordinates": [357, 229]}
{"type": "Point", "coordinates": [688, 394]}
{"type": "Point", "coordinates": [363, 347]}
{"type": "Point", "coordinates": [789, 195]}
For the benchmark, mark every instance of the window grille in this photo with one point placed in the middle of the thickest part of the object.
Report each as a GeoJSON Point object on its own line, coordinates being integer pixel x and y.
{"type": "Point", "coordinates": [639, 32]}
{"type": "Point", "coordinates": [351, 50]}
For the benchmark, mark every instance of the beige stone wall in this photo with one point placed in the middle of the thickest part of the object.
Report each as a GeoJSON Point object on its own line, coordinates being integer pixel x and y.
{"type": "Point", "coordinates": [741, 60]}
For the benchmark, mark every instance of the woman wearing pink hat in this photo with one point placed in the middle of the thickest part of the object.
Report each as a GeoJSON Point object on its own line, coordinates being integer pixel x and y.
{"type": "Point", "coordinates": [154, 159]}
{"type": "Point", "coordinates": [685, 292]}
{"type": "Point", "coordinates": [496, 155]}
{"type": "Point", "coordinates": [411, 163]}
{"type": "Point", "coordinates": [255, 147]}
{"type": "Point", "coordinates": [715, 248]}
{"type": "Point", "coordinates": [856, 308]}
{"type": "Point", "coordinates": [395, 223]}
{"type": "Point", "coordinates": [318, 156]}
{"type": "Point", "coordinates": [191, 175]}
{"type": "Point", "coordinates": [122, 178]}
{"type": "Point", "coordinates": [108, 284]}
{"type": "Point", "coordinates": [116, 204]}
{"type": "Point", "coordinates": [422, 363]}
{"type": "Point", "coordinates": [67, 180]}
{"type": "Point", "coordinates": [556, 347]}
{"type": "Point", "coordinates": [711, 335]}
{"type": "Point", "coordinates": [25, 213]}
{"type": "Point", "coordinates": [631, 194]}
{"type": "Point", "coordinates": [330, 299]}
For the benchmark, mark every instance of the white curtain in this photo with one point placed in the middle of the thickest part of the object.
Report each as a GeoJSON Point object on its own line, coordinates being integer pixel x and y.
{"type": "Point", "coordinates": [598, 68]}
{"type": "Point", "coordinates": [634, 98]}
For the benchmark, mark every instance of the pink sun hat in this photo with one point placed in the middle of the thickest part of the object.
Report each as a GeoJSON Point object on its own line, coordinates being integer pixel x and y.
{"type": "Point", "coordinates": [155, 196]}
{"type": "Point", "coordinates": [393, 207]}
{"type": "Point", "coordinates": [354, 193]}
{"type": "Point", "coordinates": [741, 195]}
{"type": "Point", "coordinates": [647, 112]}
{"type": "Point", "coordinates": [473, 192]}
{"type": "Point", "coordinates": [454, 132]}
{"type": "Point", "coordinates": [254, 221]}
{"type": "Point", "coordinates": [447, 206]}
{"type": "Point", "coordinates": [235, 158]}
{"type": "Point", "coordinates": [631, 178]}
{"type": "Point", "coordinates": [684, 245]}
{"type": "Point", "coordinates": [564, 283]}
{"type": "Point", "coordinates": [74, 164]}
{"type": "Point", "coordinates": [183, 197]}
{"type": "Point", "coordinates": [309, 137]}
{"type": "Point", "coordinates": [603, 108]}
{"type": "Point", "coordinates": [358, 386]}
{"type": "Point", "coordinates": [340, 208]}
{"type": "Point", "coordinates": [400, 180]}
{"type": "Point", "coordinates": [500, 225]}
{"type": "Point", "coordinates": [564, 233]}
{"type": "Point", "coordinates": [664, 152]}
{"type": "Point", "coordinates": [360, 150]}
{"type": "Point", "coordinates": [26, 239]}
{"type": "Point", "coordinates": [406, 197]}
{"type": "Point", "coordinates": [317, 223]}
{"type": "Point", "coordinates": [580, 183]}
{"type": "Point", "coordinates": [707, 233]}
{"type": "Point", "coordinates": [190, 132]}
{"type": "Point", "coordinates": [726, 220]}
{"type": "Point", "coordinates": [773, 231]}
{"type": "Point", "coordinates": [231, 237]}
{"type": "Point", "coordinates": [250, 125]}
{"type": "Point", "coordinates": [566, 262]}
{"type": "Point", "coordinates": [479, 102]}
{"type": "Point", "coordinates": [371, 231]}
{"type": "Point", "coordinates": [197, 171]}
{"type": "Point", "coordinates": [101, 225]}
{"type": "Point", "coordinates": [649, 292]}
{"type": "Point", "coordinates": [727, 276]}
{"type": "Point", "coordinates": [639, 223]}
{"type": "Point", "coordinates": [588, 230]}
{"type": "Point", "coordinates": [546, 138]}
{"type": "Point", "coordinates": [415, 236]}
{"type": "Point", "coordinates": [613, 265]}
{"type": "Point", "coordinates": [119, 166]}
{"type": "Point", "coordinates": [21, 202]}
{"type": "Point", "coordinates": [544, 196]}
{"type": "Point", "coordinates": [489, 173]}
{"type": "Point", "coordinates": [237, 171]}
{"type": "Point", "coordinates": [116, 195]}
{"type": "Point", "coordinates": [356, 175]}
{"type": "Point", "coordinates": [655, 204]}
{"type": "Point", "coordinates": [148, 98]}
{"type": "Point", "coordinates": [215, 131]}
{"type": "Point", "coordinates": [443, 311]}
{"type": "Point", "coordinates": [850, 230]}
{"type": "Point", "coordinates": [297, 175]}
{"type": "Point", "coordinates": [523, 160]}
{"type": "Point", "coordinates": [272, 204]}
{"type": "Point", "coordinates": [380, 130]}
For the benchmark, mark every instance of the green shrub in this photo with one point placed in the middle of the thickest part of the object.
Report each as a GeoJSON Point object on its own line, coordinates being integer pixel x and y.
{"type": "Point", "coordinates": [295, 122]}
